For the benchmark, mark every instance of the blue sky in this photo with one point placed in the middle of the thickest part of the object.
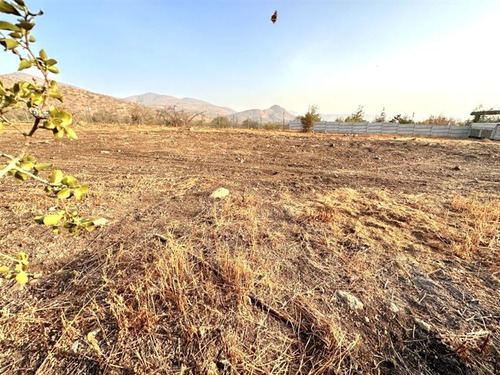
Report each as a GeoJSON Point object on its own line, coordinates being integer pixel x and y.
{"type": "Point", "coordinates": [422, 56]}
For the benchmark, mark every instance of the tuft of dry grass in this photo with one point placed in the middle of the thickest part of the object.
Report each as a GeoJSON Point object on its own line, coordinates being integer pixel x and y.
{"type": "Point", "coordinates": [479, 227]}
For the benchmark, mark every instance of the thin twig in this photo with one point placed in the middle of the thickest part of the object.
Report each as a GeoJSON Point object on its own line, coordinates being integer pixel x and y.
{"type": "Point", "coordinates": [11, 165]}
{"type": "Point", "coordinates": [34, 176]}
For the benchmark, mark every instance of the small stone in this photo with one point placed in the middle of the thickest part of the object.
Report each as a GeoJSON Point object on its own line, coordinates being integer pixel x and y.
{"type": "Point", "coordinates": [457, 168]}
{"type": "Point", "coordinates": [391, 306]}
{"type": "Point", "coordinates": [423, 325]}
{"type": "Point", "coordinates": [104, 152]}
{"type": "Point", "coordinates": [353, 302]}
{"type": "Point", "coordinates": [219, 193]}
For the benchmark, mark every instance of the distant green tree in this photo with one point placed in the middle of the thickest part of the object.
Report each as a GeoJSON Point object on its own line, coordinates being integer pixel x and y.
{"type": "Point", "coordinates": [221, 122]}
{"type": "Point", "coordinates": [273, 126]}
{"type": "Point", "coordinates": [381, 117]}
{"type": "Point", "coordinates": [357, 116]}
{"type": "Point", "coordinates": [398, 119]}
{"type": "Point", "coordinates": [250, 124]}
{"type": "Point", "coordinates": [309, 119]}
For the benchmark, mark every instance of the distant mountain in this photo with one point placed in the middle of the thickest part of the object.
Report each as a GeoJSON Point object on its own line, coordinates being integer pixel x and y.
{"type": "Point", "coordinates": [187, 104]}
{"type": "Point", "coordinates": [78, 101]}
{"type": "Point", "coordinates": [272, 114]}
{"type": "Point", "coordinates": [84, 104]}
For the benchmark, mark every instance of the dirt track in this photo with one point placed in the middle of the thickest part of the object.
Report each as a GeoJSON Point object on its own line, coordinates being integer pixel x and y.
{"type": "Point", "coordinates": [320, 161]}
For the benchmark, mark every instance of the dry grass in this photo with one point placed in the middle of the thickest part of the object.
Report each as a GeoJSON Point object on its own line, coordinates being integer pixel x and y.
{"type": "Point", "coordinates": [480, 227]}
{"type": "Point", "coordinates": [179, 283]}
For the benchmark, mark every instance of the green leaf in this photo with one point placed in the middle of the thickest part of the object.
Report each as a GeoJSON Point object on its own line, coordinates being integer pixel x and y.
{"type": "Point", "coordinates": [53, 69]}
{"type": "Point", "coordinates": [23, 258]}
{"type": "Point", "coordinates": [43, 166]}
{"type": "Point", "coordinates": [56, 95]}
{"type": "Point", "coordinates": [32, 39]}
{"type": "Point", "coordinates": [20, 177]}
{"type": "Point", "coordinates": [25, 64]}
{"type": "Point", "coordinates": [8, 26]}
{"type": "Point", "coordinates": [51, 220]}
{"type": "Point", "coordinates": [51, 62]}
{"type": "Point", "coordinates": [69, 181]}
{"type": "Point", "coordinates": [70, 133]}
{"type": "Point", "coordinates": [8, 43]}
{"type": "Point", "coordinates": [56, 176]}
{"type": "Point", "coordinates": [37, 99]}
{"type": "Point", "coordinates": [58, 133]}
{"type": "Point", "coordinates": [26, 25]}
{"type": "Point", "coordinates": [80, 192]}
{"type": "Point", "coordinates": [22, 278]}
{"type": "Point", "coordinates": [43, 55]}
{"type": "Point", "coordinates": [4, 269]}
{"type": "Point", "coordinates": [64, 194]}
{"type": "Point", "coordinates": [29, 158]}
{"type": "Point", "coordinates": [48, 125]}
{"type": "Point", "coordinates": [65, 118]}
{"type": "Point", "coordinates": [27, 166]}
{"type": "Point", "coordinates": [8, 8]}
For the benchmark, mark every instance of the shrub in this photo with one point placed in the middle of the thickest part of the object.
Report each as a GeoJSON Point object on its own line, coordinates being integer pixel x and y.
{"type": "Point", "coordinates": [440, 120]}
{"type": "Point", "coordinates": [221, 122]}
{"type": "Point", "coordinates": [250, 124]}
{"type": "Point", "coordinates": [381, 117]}
{"type": "Point", "coordinates": [357, 116]}
{"type": "Point", "coordinates": [398, 119]}
{"type": "Point", "coordinates": [171, 116]}
{"type": "Point", "coordinates": [309, 119]}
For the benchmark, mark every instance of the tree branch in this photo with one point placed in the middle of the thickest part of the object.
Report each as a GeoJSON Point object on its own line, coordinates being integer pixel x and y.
{"type": "Point", "coordinates": [34, 176]}
{"type": "Point", "coordinates": [34, 128]}
{"type": "Point", "coordinates": [12, 164]}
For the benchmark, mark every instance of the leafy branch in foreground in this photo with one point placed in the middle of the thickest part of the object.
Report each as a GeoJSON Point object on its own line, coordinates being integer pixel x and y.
{"type": "Point", "coordinates": [35, 98]}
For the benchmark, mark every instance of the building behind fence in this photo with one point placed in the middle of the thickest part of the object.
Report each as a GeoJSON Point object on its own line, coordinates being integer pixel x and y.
{"type": "Point", "coordinates": [491, 131]}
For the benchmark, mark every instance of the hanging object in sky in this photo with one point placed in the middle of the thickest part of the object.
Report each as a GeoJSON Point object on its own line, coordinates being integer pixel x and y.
{"type": "Point", "coordinates": [274, 17]}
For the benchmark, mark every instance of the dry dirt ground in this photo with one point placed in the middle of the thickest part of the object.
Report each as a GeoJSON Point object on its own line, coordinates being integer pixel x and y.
{"type": "Point", "coordinates": [332, 254]}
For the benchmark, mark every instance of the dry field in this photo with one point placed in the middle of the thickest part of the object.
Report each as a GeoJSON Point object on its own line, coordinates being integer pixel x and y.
{"type": "Point", "coordinates": [262, 281]}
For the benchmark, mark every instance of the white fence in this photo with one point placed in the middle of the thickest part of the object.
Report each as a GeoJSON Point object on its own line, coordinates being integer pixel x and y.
{"type": "Point", "coordinates": [388, 128]}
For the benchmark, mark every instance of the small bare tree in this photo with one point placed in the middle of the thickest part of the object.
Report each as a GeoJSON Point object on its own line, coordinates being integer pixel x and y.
{"type": "Point", "coordinates": [171, 116]}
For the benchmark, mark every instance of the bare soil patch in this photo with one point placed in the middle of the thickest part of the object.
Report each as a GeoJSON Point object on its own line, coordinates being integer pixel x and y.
{"type": "Point", "coordinates": [180, 283]}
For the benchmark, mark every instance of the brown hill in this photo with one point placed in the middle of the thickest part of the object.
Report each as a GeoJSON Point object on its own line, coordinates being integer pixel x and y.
{"type": "Point", "coordinates": [83, 104]}
{"type": "Point", "coordinates": [90, 106]}
{"type": "Point", "coordinates": [187, 104]}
